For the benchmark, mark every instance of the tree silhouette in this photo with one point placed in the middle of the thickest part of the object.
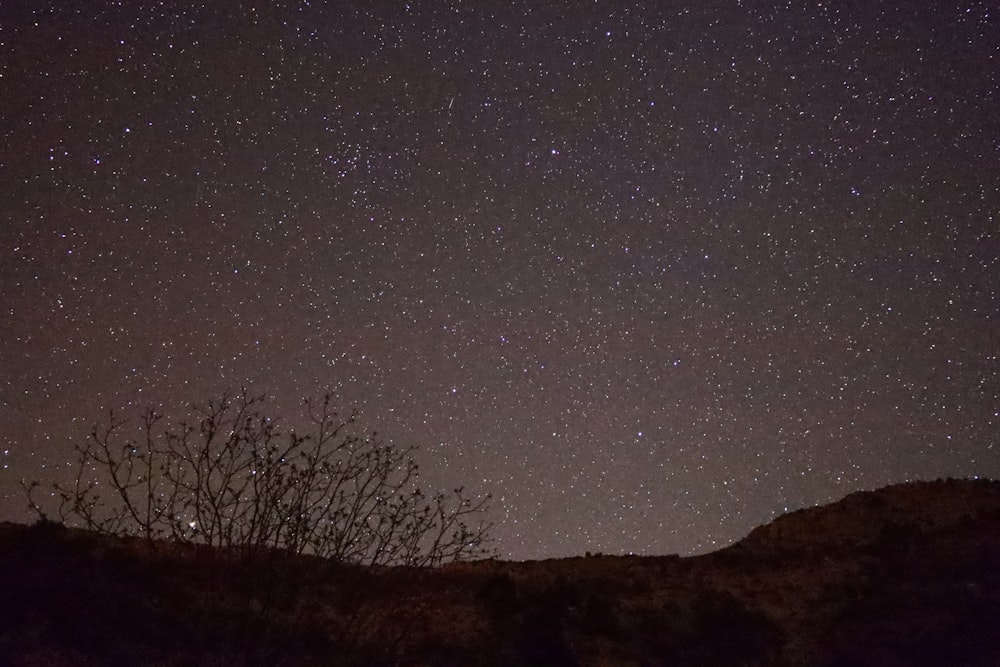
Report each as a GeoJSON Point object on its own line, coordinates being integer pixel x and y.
{"type": "Point", "coordinates": [230, 477]}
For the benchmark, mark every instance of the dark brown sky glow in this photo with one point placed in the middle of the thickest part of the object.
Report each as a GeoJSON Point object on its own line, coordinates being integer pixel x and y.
{"type": "Point", "coordinates": [650, 273]}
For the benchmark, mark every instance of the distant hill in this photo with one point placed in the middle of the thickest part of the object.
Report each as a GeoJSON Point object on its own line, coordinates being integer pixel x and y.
{"type": "Point", "coordinates": [906, 575]}
{"type": "Point", "coordinates": [866, 517]}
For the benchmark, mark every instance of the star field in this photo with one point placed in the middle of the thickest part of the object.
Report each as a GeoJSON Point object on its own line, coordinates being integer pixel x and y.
{"type": "Point", "coordinates": [649, 273]}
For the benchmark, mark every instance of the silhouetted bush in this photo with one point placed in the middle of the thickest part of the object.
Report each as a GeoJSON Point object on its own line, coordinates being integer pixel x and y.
{"type": "Point", "coordinates": [232, 478]}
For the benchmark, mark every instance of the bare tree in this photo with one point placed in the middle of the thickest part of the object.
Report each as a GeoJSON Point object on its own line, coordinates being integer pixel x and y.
{"type": "Point", "coordinates": [230, 477]}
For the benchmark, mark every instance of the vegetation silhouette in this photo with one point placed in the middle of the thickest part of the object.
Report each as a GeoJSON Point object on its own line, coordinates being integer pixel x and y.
{"type": "Point", "coordinates": [231, 477]}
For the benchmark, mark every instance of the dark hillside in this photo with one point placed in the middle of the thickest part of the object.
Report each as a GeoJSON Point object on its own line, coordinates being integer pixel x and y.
{"type": "Point", "coordinates": [906, 575]}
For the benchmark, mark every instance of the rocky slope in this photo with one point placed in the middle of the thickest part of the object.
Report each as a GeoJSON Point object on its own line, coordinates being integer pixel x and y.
{"type": "Point", "coordinates": [907, 575]}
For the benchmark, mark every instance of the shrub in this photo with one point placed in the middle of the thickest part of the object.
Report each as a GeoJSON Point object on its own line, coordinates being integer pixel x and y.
{"type": "Point", "coordinates": [230, 477]}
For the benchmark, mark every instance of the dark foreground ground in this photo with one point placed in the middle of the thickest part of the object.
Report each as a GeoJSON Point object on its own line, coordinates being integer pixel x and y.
{"type": "Point", "coordinates": [907, 575]}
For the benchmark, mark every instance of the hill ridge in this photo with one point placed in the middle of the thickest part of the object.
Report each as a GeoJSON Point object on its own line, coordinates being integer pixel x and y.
{"type": "Point", "coordinates": [863, 516]}
{"type": "Point", "coordinates": [903, 575]}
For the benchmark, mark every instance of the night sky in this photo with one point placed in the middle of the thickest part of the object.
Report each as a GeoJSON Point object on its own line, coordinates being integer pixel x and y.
{"type": "Point", "coordinates": [651, 273]}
